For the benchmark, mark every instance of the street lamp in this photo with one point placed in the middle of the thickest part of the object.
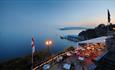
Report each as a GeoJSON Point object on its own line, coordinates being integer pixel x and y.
{"type": "Point", "coordinates": [48, 43]}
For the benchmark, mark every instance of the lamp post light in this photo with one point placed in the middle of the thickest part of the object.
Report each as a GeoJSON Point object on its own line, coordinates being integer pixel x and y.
{"type": "Point", "coordinates": [48, 43]}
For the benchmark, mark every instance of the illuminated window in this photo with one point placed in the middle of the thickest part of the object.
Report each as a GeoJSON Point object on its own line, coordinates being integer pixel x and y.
{"type": "Point", "coordinates": [113, 28]}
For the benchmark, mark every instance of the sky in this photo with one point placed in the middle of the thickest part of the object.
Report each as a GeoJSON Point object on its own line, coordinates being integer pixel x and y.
{"type": "Point", "coordinates": [16, 15]}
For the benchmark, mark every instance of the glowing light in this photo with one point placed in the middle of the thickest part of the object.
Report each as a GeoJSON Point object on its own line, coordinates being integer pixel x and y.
{"type": "Point", "coordinates": [88, 48]}
{"type": "Point", "coordinates": [48, 42]}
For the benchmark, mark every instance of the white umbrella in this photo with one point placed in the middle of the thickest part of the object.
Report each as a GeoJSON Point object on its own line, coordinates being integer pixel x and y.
{"type": "Point", "coordinates": [66, 66]}
{"type": "Point", "coordinates": [46, 66]}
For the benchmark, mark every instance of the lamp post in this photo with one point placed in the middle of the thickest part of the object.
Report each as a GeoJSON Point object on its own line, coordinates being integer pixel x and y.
{"type": "Point", "coordinates": [48, 43]}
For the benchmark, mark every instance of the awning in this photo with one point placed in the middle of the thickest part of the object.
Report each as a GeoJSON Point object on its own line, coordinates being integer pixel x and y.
{"type": "Point", "coordinates": [95, 40]}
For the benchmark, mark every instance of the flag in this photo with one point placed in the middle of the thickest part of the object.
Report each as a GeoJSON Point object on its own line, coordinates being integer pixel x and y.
{"type": "Point", "coordinates": [33, 50]}
{"type": "Point", "coordinates": [33, 45]}
{"type": "Point", "coordinates": [109, 19]}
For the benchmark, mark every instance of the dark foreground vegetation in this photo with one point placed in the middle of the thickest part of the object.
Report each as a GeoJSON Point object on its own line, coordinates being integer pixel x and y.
{"type": "Point", "coordinates": [24, 63]}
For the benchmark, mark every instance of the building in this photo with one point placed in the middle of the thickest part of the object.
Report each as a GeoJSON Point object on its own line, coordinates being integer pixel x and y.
{"type": "Point", "coordinates": [107, 62]}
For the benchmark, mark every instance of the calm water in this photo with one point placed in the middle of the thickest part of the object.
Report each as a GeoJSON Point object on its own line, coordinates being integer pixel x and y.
{"type": "Point", "coordinates": [18, 44]}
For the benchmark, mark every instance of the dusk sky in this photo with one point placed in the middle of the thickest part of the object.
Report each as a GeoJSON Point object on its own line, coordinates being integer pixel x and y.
{"type": "Point", "coordinates": [40, 14]}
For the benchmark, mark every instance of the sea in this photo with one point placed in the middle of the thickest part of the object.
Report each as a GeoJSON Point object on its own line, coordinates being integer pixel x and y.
{"type": "Point", "coordinates": [18, 44]}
